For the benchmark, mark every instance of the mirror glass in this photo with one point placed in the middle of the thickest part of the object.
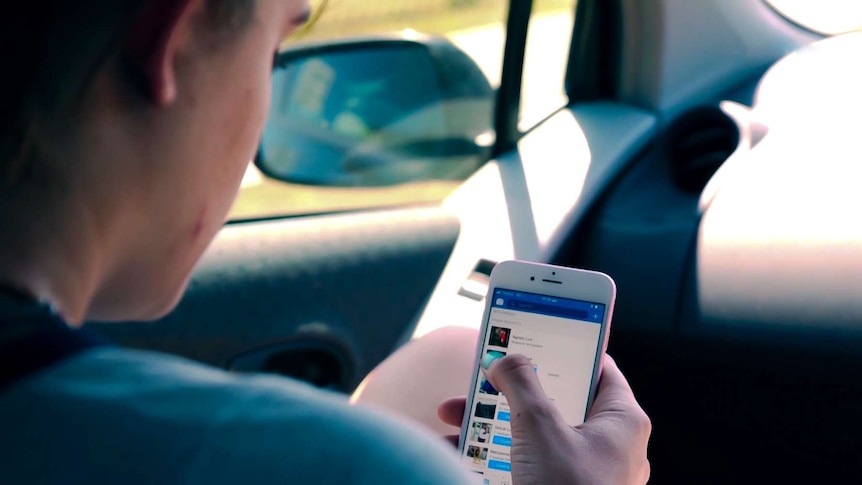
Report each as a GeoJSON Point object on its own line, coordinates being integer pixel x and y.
{"type": "Point", "coordinates": [371, 115]}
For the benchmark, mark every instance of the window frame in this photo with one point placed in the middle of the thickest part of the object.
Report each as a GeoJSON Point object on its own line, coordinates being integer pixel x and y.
{"type": "Point", "coordinates": [507, 108]}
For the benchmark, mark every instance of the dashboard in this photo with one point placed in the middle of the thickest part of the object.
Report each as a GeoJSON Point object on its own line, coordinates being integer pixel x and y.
{"type": "Point", "coordinates": [777, 244]}
{"type": "Point", "coordinates": [780, 244]}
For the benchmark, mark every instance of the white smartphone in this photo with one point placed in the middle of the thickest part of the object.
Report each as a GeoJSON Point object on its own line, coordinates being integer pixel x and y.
{"type": "Point", "coordinates": [559, 318]}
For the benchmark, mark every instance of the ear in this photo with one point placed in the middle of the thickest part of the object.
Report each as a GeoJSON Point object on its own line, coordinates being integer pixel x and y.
{"type": "Point", "coordinates": [158, 34]}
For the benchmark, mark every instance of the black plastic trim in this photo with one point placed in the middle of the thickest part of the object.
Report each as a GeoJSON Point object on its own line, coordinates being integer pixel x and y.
{"type": "Point", "coordinates": [508, 108]}
{"type": "Point", "coordinates": [594, 55]}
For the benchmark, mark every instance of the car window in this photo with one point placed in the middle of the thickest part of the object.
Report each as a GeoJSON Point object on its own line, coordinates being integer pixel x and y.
{"type": "Point", "coordinates": [545, 61]}
{"type": "Point", "coordinates": [477, 27]}
{"type": "Point", "coordinates": [824, 16]}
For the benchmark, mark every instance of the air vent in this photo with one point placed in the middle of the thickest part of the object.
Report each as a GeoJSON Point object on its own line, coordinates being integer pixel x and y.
{"type": "Point", "coordinates": [699, 142]}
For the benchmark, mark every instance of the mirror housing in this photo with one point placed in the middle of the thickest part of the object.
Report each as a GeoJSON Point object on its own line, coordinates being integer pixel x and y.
{"type": "Point", "coordinates": [377, 111]}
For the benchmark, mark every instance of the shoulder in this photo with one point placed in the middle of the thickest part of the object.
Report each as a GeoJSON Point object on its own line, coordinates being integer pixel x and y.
{"type": "Point", "coordinates": [243, 428]}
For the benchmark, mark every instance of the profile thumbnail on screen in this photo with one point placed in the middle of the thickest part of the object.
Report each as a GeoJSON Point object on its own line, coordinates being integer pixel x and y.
{"type": "Point", "coordinates": [478, 454]}
{"type": "Point", "coordinates": [481, 432]}
{"type": "Point", "coordinates": [499, 337]}
{"type": "Point", "coordinates": [487, 388]}
{"type": "Point", "coordinates": [485, 411]}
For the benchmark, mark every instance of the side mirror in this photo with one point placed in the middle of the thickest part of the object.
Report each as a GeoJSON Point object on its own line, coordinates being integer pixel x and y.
{"type": "Point", "coordinates": [375, 112]}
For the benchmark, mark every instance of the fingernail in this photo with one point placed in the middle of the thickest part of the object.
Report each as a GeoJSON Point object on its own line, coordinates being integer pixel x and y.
{"type": "Point", "coordinates": [489, 360]}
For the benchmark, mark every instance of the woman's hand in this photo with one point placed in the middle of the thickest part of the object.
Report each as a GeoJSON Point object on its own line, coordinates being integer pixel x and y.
{"type": "Point", "coordinates": [609, 448]}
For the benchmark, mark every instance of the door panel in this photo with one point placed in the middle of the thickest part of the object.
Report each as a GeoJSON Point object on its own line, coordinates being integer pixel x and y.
{"type": "Point", "coordinates": [324, 298]}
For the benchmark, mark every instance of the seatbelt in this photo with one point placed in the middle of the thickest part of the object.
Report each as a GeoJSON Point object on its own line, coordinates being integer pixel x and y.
{"type": "Point", "coordinates": [44, 341]}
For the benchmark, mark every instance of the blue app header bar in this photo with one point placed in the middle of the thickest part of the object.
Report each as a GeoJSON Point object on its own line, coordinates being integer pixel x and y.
{"type": "Point", "coordinates": [548, 305]}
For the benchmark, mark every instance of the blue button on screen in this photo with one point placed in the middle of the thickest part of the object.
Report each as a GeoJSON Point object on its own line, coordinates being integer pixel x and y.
{"type": "Point", "coordinates": [503, 416]}
{"type": "Point", "coordinates": [503, 440]}
{"type": "Point", "coordinates": [500, 465]}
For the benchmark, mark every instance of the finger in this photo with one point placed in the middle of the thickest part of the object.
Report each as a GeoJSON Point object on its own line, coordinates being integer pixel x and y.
{"type": "Point", "coordinates": [515, 376]}
{"type": "Point", "coordinates": [452, 411]}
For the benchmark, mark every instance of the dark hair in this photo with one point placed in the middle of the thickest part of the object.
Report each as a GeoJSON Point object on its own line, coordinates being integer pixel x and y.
{"type": "Point", "coordinates": [52, 49]}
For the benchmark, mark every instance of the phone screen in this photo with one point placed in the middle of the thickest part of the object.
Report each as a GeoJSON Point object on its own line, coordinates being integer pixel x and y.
{"type": "Point", "coordinates": [562, 337]}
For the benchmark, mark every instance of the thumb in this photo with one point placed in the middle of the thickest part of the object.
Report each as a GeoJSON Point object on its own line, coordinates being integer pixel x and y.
{"type": "Point", "coordinates": [515, 376]}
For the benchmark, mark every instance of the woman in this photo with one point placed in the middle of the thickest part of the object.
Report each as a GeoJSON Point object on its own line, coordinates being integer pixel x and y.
{"type": "Point", "coordinates": [126, 129]}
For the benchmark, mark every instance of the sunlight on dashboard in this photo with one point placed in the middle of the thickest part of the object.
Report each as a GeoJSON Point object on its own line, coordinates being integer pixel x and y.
{"type": "Point", "coordinates": [827, 16]}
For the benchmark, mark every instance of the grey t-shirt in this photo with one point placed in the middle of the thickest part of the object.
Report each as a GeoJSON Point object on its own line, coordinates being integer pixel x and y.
{"type": "Point", "coordinates": [110, 415]}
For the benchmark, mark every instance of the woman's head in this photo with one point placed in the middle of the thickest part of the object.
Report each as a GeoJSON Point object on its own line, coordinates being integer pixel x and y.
{"type": "Point", "coordinates": [125, 131]}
